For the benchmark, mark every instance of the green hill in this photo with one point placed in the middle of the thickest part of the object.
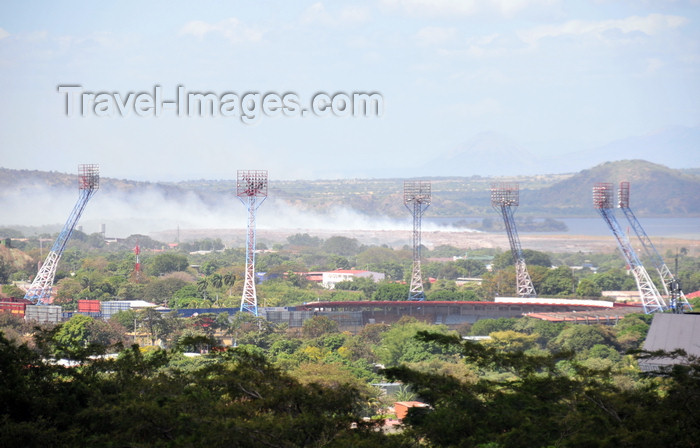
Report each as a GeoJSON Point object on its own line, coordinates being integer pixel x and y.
{"type": "Point", "coordinates": [655, 190]}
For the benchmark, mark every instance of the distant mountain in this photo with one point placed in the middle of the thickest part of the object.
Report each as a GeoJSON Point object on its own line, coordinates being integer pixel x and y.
{"type": "Point", "coordinates": [674, 147]}
{"type": "Point", "coordinates": [496, 154]}
{"type": "Point", "coordinates": [654, 190]}
{"type": "Point", "coordinates": [30, 181]}
{"type": "Point", "coordinates": [487, 154]}
{"type": "Point", "coordinates": [36, 198]}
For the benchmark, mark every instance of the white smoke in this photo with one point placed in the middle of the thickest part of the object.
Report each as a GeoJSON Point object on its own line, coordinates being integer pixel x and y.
{"type": "Point", "coordinates": [155, 210]}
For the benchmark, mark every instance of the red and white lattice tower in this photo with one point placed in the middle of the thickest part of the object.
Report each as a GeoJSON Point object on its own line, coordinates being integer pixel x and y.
{"type": "Point", "coordinates": [251, 189]}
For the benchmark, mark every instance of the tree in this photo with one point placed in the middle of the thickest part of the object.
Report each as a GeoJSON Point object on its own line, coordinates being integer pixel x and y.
{"type": "Point", "coordinates": [12, 291]}
{"type": "Point", "coordinates": [578, 338]}
{"type": "Point", "coordinates": [398, 344]}
{"type": "Point", "coordinates": [167, 262]}
{"type": "Point", "coordinates": [72, 338]}
{"type": "Point", "coordinates": [558, 282]}
{"type": "Point", "coordinates": [216, 281]}
{"type": "Point", "coordinates": [304, 240]}
{"type": "Point", "coordinates": [229, 280]}
{"type": "Point", "coordinates": [533, 403]}
{"type": "Point", "coordinates": [614, 280]}
{"type": "Point", "coordinates": [5, 270]}
{"type": "Point", "coordinates": [155, 324]}
{"type": "Point", "coordinates": [471, 268]}
{"type": "Point", "coordinates": [341, 245]}
{"type": "Point", "coordinates": [161, 290]}
{"type": "Point", "coordinates": [532, 258]}
{"type": "Point", "coordinates": [588, 288]}
{"type": "Point", "coordinates": [186, 297]}
{"type": "Point", "coordinates": [235, 398]}
{"type": "Point", "coordinates": [510, 341]}
{"type": "Point", "coordinates": [499, 283]}
{"type": "Point", "coordinates": [390, 291]}
{"type": "Point", "coordinates": [485, 327]}
{"type": "Point", "coordinates": [318, 326]}
{"type": "Point", "coordinates": [365, 284]}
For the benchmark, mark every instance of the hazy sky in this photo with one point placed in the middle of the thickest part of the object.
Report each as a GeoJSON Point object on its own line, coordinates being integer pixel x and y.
{"type": "Point", "coordinates": [554, 76]}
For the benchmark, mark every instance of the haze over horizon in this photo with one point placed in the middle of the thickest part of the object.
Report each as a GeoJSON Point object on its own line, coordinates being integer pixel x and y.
{"type": "Point", "coordinates": [558, 85]}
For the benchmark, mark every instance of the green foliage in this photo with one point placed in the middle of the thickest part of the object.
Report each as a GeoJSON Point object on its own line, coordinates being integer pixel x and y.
{"type": "Point", "coordinates": [186, 297]}
{"type": "Point", "coordinates": [390, 291]}
{"type": "Point", "coordinates": [631, 331]}
{"type": "Point", "coordinates": [558, 282]}
{"type": "Point", "coordinates": [161, 290]}
{"type": "Point", "coordinates": [399, 346]}
{"type": "Point", "coordinates": [511, 341]}
{"type": "Point", "coordinates": [538, 405]}
{"type": "Point", "coordinates": [532, 258]}
{"type": "Point", "coordinates": [12, 291]}
{"type": "Point", "coordinates": [304, 239]}
{"type": "Point", "coordinates": [365, 284]}
{"type": "Point", "coordinates": [238, 399]}
{"type": "Point", "coordinates": [614, 280]}
{"type": "Point", "coordinates": [340, 245]}
{"type": "Point", "coordinates": [588, 288]}
{"type": "Point", "coordinates": [72, 337]}
{"type": "Point", "coordinates": [246, 328]}
{"type": "Point", "coordinates": [544, 330]}
{"type": "Point", "coordinates": [167, 262]}
{"type": "Point", "coordinates": [470, 268]}
{"type": "Point", "coordinates": [579, 338]}
{"type": "Point", "coordinates": [485, 327]}
{"type": "Point", "coordinates": [319, 326]}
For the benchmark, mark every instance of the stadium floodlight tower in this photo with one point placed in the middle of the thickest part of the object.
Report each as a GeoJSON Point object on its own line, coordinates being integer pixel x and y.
{"type": "Point", "coordinates": [603, 202]}
{"type": "Point", "coordinates": [251, 189]}
{"type": "Point", "coordinates": [672, 287]}
{"type": "Point", "coordinates": [416, 198]}
{"type": "Point", "coordinates": [505, 197]}
{"type": "Point", "coordinates": [88, 183]}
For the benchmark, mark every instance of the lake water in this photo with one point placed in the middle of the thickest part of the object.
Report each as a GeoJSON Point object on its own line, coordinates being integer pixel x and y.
{"type": "Point", "coordinates": [688, 228]}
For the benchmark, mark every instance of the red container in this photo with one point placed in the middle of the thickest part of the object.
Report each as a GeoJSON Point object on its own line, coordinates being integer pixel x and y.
{"type": "Point", "coordinates": [16, 308]}
{"type": "Point", "coordinates": [88, 306]}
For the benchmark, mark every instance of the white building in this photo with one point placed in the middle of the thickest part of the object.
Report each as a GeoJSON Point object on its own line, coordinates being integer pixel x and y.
{"type": "Point", "coordinates": [344, 275]}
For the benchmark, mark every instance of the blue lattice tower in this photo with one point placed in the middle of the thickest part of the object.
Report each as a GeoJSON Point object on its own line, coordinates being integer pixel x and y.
{"type": "Point", "coordinates": [251, 189]}
{"type": "Point", "coordinates": [416, 198]}
{"type": "Point", "coordinates": [88, 183]}
{"type": "Point", "coordinates": [672, 287]}
{"type": "Point", "coordinates": [505, 197]}
{"type": "Point", "coordinates": [649, 295]}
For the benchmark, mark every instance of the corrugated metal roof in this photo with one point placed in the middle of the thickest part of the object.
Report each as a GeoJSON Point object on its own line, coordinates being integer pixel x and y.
{"type": "Point", "coordinates": [670, 332]}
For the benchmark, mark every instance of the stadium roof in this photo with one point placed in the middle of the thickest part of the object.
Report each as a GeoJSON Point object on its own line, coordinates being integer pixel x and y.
{"type": "Point", "coordinates": [670, 332]}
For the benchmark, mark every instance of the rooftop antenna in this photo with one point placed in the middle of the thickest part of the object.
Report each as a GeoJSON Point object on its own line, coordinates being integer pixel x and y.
{"type": "Point", "coordinates": [251, 189]}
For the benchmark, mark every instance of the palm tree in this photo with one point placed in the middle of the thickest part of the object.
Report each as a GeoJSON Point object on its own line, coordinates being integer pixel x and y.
{"type": "Point", "coordinates": [202, 286]}
{"type": "Point", "coordinates": [216, 281]}
{"type": "Point", "coordinates": [229, 279]}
